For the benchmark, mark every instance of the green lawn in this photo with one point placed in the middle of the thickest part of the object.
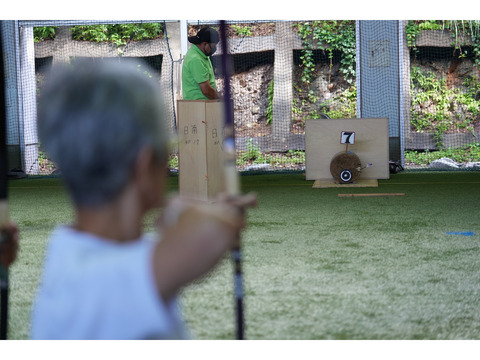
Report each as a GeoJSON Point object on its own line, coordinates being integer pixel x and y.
{"type": "Point", "coordinates": [316, 266]}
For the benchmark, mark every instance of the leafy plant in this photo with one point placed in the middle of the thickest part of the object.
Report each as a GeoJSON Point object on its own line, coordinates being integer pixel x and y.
{"type": "Point", "coordinates": [476, 48]}
{"type": "Point", "coordinates": [269, 111]}
{"type": "Point", "coordinates": [242, 30]}
{"type": "Point", "coordinates": [296, 156]}
{"type": "Point", "coordinates": [252, 152]}
{"type": "Point", "coordinates": [457, 27]}
{"type": "Point", "coordinates": [173, 161]}
{"type": "Point", "coordinates": [412, 31]}
{"type": "Point", "coordinates": [329, 36]}
{"type": "Point", "coordinates": [279, 160]}
{"type": "Point", "coordinates": [305, 32]}
{"type": "Point", "coordinates": [45, 164]}
{"type": "Point", "coordinates": [434, 105]}
{"type": "Point", "coordinates": [468, 153]}
{"type": "Point", "coordinates": [343, 106]}
{"type": "Point", "coordinates": [43, 33]}
{"type": "Point", "coordinates": [118, 34]}
{"type": "Point", "coordinates": [430, 25]}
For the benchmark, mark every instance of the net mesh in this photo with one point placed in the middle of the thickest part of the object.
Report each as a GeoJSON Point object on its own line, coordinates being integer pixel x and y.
{"type": "Point", "coordinates": [423, 75]}
{"type": "Point", "coordinates": [444, 94]}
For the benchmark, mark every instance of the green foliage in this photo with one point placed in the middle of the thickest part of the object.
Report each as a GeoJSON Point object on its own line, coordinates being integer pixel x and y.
{"type": "Point", "coordinates": [434, 105]}
{"type": "Point", "coordinates": [430, 25]}
{"type": "Point", "coordinates": [45, 164]}
{"type": "Point", "coordinates": [473, 87]}
{"type": "Point", "coordinates": [297, 156]}
{"type": "Point", "coordinates": [457, 27]}
{"type": "Point", "coordinates": [468, 153]}
{"type": "Point", "coordinates": [434, 92]}
{"type": "Point", "coordinates": [414, 27]}
{"type": "Point", "coordinates": [343, 106]}
{"type": "Point", "coordinates": [251, 154]}
{"type": "Point", "coordinates": [43, 33]}
{"type": "Point", "coordinates": [476, 48]}
{"type": "Point", "coordinates": [329, 36]}
{"type": "Point", "coordinates": [412, 31]}
{"type": "Point", "coordinates": [305, 32]}
{"type": "Point", "coordinates": [269, 111]}
{"type": "Point", "coordinates": [173, 161]}
{"type": "Point", "coordinates": [242, 30]}
{"type": "Point", "coordinates": [254, 155]}
{"type": "Point", "coordinates": [470, 99]}
{"type": "Point", "coordinates": [118, 34]}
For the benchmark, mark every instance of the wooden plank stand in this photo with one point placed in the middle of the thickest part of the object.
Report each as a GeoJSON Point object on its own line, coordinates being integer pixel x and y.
{"type": "Point", "coordinates": [365, 140]}
{"type": "Point", "coordinates": [331, 183]}
{"type": "Point", "coordinates": [200, 153]}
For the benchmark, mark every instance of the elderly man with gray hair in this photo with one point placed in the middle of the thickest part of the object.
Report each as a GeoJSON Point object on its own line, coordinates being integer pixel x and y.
{"type": "Point", "coordinates": [104, 278]}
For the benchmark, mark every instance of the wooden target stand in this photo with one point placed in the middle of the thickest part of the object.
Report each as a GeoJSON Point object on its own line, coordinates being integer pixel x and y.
{"type": "Point", "coordinates": [200, 152]}
{"type": "Point", "coordinates": [346, 152]}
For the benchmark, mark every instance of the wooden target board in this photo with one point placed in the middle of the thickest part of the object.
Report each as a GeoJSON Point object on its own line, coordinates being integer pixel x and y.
{"type": "Point", "coordinates": [367, 138]}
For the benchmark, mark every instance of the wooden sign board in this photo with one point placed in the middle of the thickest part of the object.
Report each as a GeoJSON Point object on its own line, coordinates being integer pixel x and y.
{"type": "Point", "coordinates": [200, 153]}
{"type": "Point", "coordinates": [370, 145]}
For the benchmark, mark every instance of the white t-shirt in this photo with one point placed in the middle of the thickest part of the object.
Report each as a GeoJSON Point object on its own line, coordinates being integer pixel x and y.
{"type": "Point", "coordinates": [93, 288]}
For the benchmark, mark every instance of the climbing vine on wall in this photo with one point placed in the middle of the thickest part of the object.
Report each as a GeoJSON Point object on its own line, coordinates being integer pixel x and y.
{"type": "Point", "coordinates": [438, 109]}
{"type": "Point", "coordinates": [328, 36]}
{"type": "Point", "coordinates": [332, 38]}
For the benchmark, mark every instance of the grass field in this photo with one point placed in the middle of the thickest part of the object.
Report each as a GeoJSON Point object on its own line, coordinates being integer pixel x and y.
{"type": "Point", "coordinates": [317, 266]}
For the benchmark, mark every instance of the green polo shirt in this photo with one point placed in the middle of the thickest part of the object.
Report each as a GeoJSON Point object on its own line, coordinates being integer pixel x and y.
{"type": "Point", "coordinates": [197, 68]}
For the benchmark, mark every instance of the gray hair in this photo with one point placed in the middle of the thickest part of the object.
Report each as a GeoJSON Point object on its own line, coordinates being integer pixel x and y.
{"type": "Point", "coordinates": [93, 119]}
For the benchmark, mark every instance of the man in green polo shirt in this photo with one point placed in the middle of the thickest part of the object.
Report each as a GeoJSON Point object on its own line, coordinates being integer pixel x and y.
{"type": "Point", "coordinates": [198, 78]}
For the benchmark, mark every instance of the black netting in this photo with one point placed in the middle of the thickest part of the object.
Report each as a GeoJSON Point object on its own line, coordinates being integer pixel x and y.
{"type": "Point", "coordinates": [423, 75]}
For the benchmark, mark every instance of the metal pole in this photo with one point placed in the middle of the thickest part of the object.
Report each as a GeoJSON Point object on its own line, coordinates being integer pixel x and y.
{"type": "Point", "coordinates": [3, 194]}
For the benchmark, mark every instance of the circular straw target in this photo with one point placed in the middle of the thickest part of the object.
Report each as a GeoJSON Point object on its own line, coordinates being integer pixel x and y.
{"type": "Point", "coordinates": [345, 167]}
